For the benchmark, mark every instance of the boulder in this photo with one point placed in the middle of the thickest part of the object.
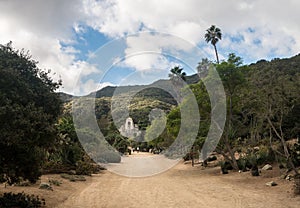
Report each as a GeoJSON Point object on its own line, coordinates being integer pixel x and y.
{"type": "Point", "coordinates": [283, 176]}
{"type": "Point", "coordinates": [267, 167]}
{"type": "Point", "coordinates": [72, 172]}
{"type": "Point", "coordinates": [288, 177]}
{"type": "Point", "coordinates": [46, 186]}
{"type": "Point", "coordinates": [271, 183]}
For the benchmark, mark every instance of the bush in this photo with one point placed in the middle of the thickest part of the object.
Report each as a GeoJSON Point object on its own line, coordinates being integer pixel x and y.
{"type": "Point", "coordinates": [212, 158]}
{"type": "Point", "coordinates": [84, 168]}
{"type": "Point", "coordinates": [73, 178]}
{"type": "Point", "coordinates": [223, 166]}
{"type": "Point", "coordinates": [242, 164]}
{"type": "Point", "coordinates": [264, 155]}
{"type": "Point", "coordinates": [190, 155]}
{"type": "Point", "coordinates": [256, 157]}
{"type": "Point", "coordinates": [21, 200]}
{"type": "Point", "coordinates": [54, 182]}
{"type": "Point", "coordinates": [295, 154]}
{"type": "Point", "coordinates": [297, 184]}
{"type": "Point", "coordinates": [53, 167]}
{"type": "Point", "coordinates": [251, 160]}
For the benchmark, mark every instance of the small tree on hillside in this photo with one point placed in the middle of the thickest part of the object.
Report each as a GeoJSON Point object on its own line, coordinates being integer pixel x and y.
{"type": "Point", "coordinates": [177, 76]}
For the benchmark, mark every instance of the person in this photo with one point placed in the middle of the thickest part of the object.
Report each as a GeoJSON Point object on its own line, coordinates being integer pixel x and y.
{"type": "Point", "coordinates": [137, 149]}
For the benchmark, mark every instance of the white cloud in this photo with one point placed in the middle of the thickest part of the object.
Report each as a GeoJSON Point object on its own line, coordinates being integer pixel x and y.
{"type": "Point", "coordinates": [147, 62]}
{"type": "Point", "coordinates": [40, 26]}
{"type": "Point", "coordinates": [190, 19]}
{"type": "Point", "coordinates": [45, 18]}
{"type": "Point", "coordinates": [85, 88]}
{"type": "Point", "coordinates": [151, 51]}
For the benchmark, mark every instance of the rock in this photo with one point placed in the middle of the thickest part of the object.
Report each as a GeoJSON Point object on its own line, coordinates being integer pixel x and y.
{"type": "Point", "coordinates": [283, 176]}
{"type": "Point", "coordinates": [72, 172]}
{"type": "Point", "coordinates": [46, 186]}
{"type": "Point", "coordinates": [271, 183]}
{"type": "Point", "coordinates": [267, 167]}
{"type": "Point", "coordinates": [256, 148]}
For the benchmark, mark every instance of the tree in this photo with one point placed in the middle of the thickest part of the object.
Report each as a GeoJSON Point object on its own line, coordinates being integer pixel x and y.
{"type": "Point", "coordinates": [203, 67]}
{"type": "Point", "coordinates": [204, 106]}
{"type": "Point", "coordinates": [177, 74]}
{"type": "Point", "coordinates": [177, 77]}
{"type": "Point", "coordinates": [213, 35]}
{"type": "Point", "coordinates": [273, 94]}
{"type": "Point", "coordinates": [29, 108]}
{"type": "Point", "coordinates": [158, 124]}
{"type": "Point", "coordinates": [231, 74]}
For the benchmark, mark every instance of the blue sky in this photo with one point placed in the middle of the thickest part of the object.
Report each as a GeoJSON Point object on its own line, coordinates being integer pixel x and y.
{"type": "Point", "coordinates": [90, 44]}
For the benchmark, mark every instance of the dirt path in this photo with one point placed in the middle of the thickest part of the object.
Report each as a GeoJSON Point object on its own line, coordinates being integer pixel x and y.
{"type": "Point", "coordinates": [183, 186]}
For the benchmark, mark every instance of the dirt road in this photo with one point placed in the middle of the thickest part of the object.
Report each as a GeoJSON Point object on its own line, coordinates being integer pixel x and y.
{"type": "Point", "coordinates": [183, 186]}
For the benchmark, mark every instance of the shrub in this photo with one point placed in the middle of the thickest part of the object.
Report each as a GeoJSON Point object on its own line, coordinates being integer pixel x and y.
{"type": "Point", "coordinates": [55, 182]}
{"type": "Point", "coordinates": [295, 154]}
{"type": "Point", "coordinates": [53, 167]}
{"type": "Point", "coordinates": [190, 155]}
{"type": "Point", "coordinates": [297, 184]}
{"type": "Point", "coordinates": [256, 157]}
{"type": "Point", "coordinates": [23, 183]}
{"type": "Point", "coordinates": [265, 155]}
{"type": "Point", "coordinates": [9, 200]}
{"type": "Point", "coordinates": [242, 164]}
{"type": "Point", "coordinates": [84, 168]}
{"type": "Point", "coordinates": [212, 158]}
{"type": "Point", "coordinates": [187, 157]}
{"type": "Point", "coordinates": [224, 169]}
{"type": "Point", "coordinates": [251, 160]}
{"type": "Point", "coordinates": [73, 178]}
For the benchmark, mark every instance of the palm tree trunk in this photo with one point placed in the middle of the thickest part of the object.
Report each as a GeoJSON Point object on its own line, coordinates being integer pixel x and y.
{"type": "Point", "coordinates": [216, 53]}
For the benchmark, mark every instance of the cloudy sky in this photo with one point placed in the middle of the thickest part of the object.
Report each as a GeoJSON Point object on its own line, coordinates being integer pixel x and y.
{"type": "Point", "coordinates": [93, 43]}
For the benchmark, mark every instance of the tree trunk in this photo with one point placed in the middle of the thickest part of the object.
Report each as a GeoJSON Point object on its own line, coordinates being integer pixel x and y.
{"type": "Point", "coordinates": [227, 143]}
{"type": "Point", "coordinates": [230, 103]}
{"type": "Point", "coordinates": [216, 53]}
{"type": "Point", "coordinates": [193, 162]}
{"type": "Point", "coordinates": [231, 153]}
{"type": "Point", "coordinates": [285, 148]}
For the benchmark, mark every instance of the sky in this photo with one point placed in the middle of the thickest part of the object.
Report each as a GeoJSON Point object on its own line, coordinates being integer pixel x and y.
{"type": "Point", "coordinates": [90, 44]}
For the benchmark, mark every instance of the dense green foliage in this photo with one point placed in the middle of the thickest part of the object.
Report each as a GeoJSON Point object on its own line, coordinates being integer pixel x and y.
{"type": "Point", "coordinates": [12, 200]}
{"type": "Point", "coordinates": [262, 104]}
{"type": "Point", "coordinates": [249, 90]}
{"type": "Point", "coordinates": [28, 111]}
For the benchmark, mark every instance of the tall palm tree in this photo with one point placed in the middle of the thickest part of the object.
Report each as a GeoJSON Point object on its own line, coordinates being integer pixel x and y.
{"type": "Point", "coordinates": [177, 77]}
{"type": "Point", "coordinates": [213, 35]}
{"type": "Point", "coordinates": [176, 73]}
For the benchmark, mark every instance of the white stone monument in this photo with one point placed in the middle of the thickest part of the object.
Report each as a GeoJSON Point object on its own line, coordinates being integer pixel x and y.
{"type": "Point", "coordinates": [129, 129]}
